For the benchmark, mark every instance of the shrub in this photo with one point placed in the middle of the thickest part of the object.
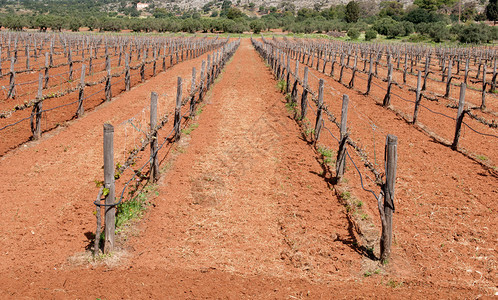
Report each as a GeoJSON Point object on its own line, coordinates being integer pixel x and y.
{"type": "Point", "coordinates": [408, 27]}
{"type": "Point", "coordinates": [475, 34]}
{"type": "Point", "coordinates": [439, 32]}
{"type": "Point", "coordinates": [389, 27]}
{"type": "Point", "coordinates": [257, 26]}
{"type": "Point", "coordinates": [353, 33]}
{"type": "Point", "coordinates": [370, 35]}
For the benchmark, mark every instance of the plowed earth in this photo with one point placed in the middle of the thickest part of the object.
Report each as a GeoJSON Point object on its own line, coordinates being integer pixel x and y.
{"type": "Point", "coordinates": [245, 210]}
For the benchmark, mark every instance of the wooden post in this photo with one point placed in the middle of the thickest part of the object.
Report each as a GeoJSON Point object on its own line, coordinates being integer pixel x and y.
{"type": "Point", "coordinates": [426, 70]}
{"type": "Point", "coordinates": [387, 97]}
{"type": "Point", "coordinates": [319, 112]}
{"type": "Point", "coordinates": [28, 67]}
{"type": "Point", "coordinates": [70, 63]}
{"type": "Point", "coordinates": [154, 162]}
{"type": "Point", "coordinates": [202, 83]}
{"type": "Point", "coordinates": [108, 92]}
{"type": "Point", "coordinates": [37, 111]}
{"type": "Point", "coordinates": [460, 116]}
{"type": "Point", "coordinates": [192, 94]}
{"type": "Point", "coordinates": [493, 79]}
{"type": "Point", "coordinates": [81, 109]}
{"type": "Point", "coordinates": [386, 208]}
{"type": "Point", "coordinates": [483, 93]}
{"type": "Point", "coordinates": [127, 72]}
{"type": "Point", "coordinates": [370, 76]}
{"type": "Point", "coordinates": [178, 109]}
{"type": "Point", "coordinates": [342, 68]}
{"type": "Point", "coordinates": [96, 246]}
{"type": "Point", "coordinates": [12, 84]}
{"type": "Point", "coordinates": [142, 70]}
{"type": "Point", "coordinates": [466, 73]}
{"type": "Point", "coordinates": [341, 153]}
{"type": "Point", "coordinates": [351, 82]}
{"type": "Point", "coordinates": [304, 96]}
{"type": "Point", "coordinates": [448, 79]}
{"type": "Point", "coordinates": [287, 88]}
{"type": "Point", "coordinates": [405, 67]}
{"type": "Point", "coordinates": [110, 208]}
{"type": "Point", "coordinates": [417, 97]}
{"type": "Point", "coordinates": [47, 66]}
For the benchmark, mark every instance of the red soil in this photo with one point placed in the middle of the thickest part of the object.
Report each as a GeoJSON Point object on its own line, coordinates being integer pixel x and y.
{"type": "Point", "coordinates": [243, 212]}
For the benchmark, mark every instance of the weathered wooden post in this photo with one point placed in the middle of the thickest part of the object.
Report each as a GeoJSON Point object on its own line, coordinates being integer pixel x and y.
{"type": "Point", "coordinates": [304, 96]}
{"type": "Point", "coordinates": [142, 70]}
{"type": "Point", "coordinates": [293, 98]}
{"type": "Point", "coordinates": [370, 76]}
{"type": "Point", "coordinates": [110, 208]}
{"type": "Point", "coordinates": [483, 93]}
{"type": "Point", "coordinates": [12, 82]}
{"type": "Point", "coordinates": [417, 97]}
{"type": "Point", "coordinates": [192, 94]}
{"type": "Point", "coordinates": [319, 112]}
{"type": "Point", "coordinates": [351, 82]}
{"type": "Point", "coordinates": [28, 60]}
{"type": "Point", "coordinates": [386, 208]}
{"type": "Point", "coordinates": [426, 70]}
{"type": "Point", "coordinates": [387, 97]}
{"type": "Point", "coordinates": [154, 162]}
{"type": "Point", "coordinates": [178, 109]}
{"type": "Point", "coordinates": [127, 72]}
{"type": "Point", "coordinates": [287, 88]}
{"type": "Point", "coordinates": [493, 79]}
{"type": "Point", "coordinates": [341, 153]}
{"type": "Point", "coordinates": [81, 110]}
{"type": "Point", "coordinates": [70, 63]}
{"type": "Point", "coordinates": [466, 72]}
{"type": "Point", "coordinates": [460, 115]}
{"type": "Point", "coordinates": [36, 114]}
{"type": "Point", "coordinates": [448, 79]}
{"type": "Point", "coordinates": [342, 68]}
{"type": "Point", "coordinates": [108, 92]}
{"type": "Point", "coordinates": [202, 83]}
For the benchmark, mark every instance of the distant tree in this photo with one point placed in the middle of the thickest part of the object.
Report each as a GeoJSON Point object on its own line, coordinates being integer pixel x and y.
{"type": "Point", "coordinates": [433, 5]}
{"type": "Point", "coordinates": [226, 4]}
{"type": "Point", "coordinates": [353, 33]}
{"type": "Point", "coordinates": [391, 9]}
{"type": "Point", "coordinates": [160, 13]}
{"type": "Point", "coordinates": [492, 11]}
{"type": "Point", "coordinates": [352, 12]}
{"type": "Point", "coordinates": [257, 26]}
{"type": "Point", "coordinates": [370, 35]}
{"type": "Point", "coordinates": [234, 13]}
{"type": "Point", "coordinates": [75, 24]}
{"type": "Point", "coordinates": [91, 23]}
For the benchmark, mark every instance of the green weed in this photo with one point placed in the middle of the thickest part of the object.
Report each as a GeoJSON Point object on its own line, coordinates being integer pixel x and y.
{"type": "Point", "coordinates": [282, 85]}
{"type": "Point", "coordinates": [482, 157]}
{"type": "Point", "coordinates": [134, 208]}
{"type": "Point", "coordinates": [327, 155]}
{"type": "Point", "coordinates": [191, 128]}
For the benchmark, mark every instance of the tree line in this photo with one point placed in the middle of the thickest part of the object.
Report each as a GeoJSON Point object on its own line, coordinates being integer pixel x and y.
{"type": "Point", "coordinates": [426, 20]}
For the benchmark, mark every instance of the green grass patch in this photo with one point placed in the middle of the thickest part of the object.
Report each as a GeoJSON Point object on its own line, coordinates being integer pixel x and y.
{"type": "Point", "coordinates": [327, 154]}
{"type": "Point", "coordinates": [482, 157]}
{"type": "Point", "coordinates": [282, 85]}
{"type": "Point", "coordinates": [189, 129]}
{"type": "Point", "coordinates": [136, 206]}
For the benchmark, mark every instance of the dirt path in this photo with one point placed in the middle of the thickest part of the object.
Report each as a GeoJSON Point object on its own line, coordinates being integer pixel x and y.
{"type": "Point", "coordinates": [242, 213]}
{"type": "Point", "coordinates": [245, 197]}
